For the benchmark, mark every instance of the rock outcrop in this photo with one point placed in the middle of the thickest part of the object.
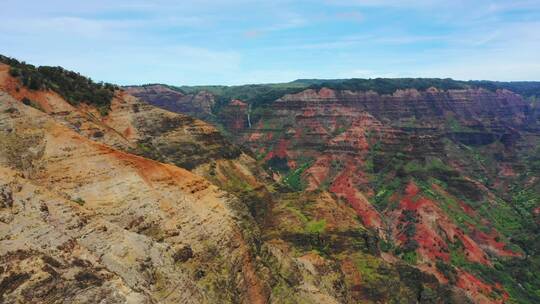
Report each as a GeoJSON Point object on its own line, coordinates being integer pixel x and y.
{"type": "Point", "coordinates": [130, 219]}
{"type": "Point", "coordinates": [174, 100]}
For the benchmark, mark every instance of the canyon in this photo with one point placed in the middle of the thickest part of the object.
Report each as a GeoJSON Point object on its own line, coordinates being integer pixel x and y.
{"type": "Point", "coordinates": [444, 178]}
{"type": "Point", "coordinates": [307, 192]}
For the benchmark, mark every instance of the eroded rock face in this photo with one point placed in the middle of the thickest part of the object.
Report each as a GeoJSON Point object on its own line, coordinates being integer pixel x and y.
{"type": "Point", "coordinates": [173, 100]}
{"type": "Point", "coordinates": [125, 216]}
{"type": "Point", "coordinates": [320, 125]}
{"type": "Point", "coordinates": [167, 136]}
{"type": "Point", "coordinates": [472, 116]}
{"type": "Point", "coordinates": [479, 104]}
{"type": "Point", "coordinates": [235, 115]}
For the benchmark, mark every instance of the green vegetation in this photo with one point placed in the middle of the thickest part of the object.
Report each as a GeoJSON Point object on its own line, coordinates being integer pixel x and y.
{"type": "Point", "coordinates": [433, 166]}
{"type": "Point", "coordinates": [398, 171]}
{"type": "Point", "coordinates": [71, 86]}
{"type": "Point", "coordinates": [524, 200]}
{"type": "Point", "coordinates": [255, 94]}
{"type": "Point", "coordinates": [368, 267]}
{"type": "Point", "coordinates": [518, 276]}
{"type": "Point", "coordinates": [450, 206]}
{"type": "Point", "coordinates": [401, 283]}
{"type": "Point", "coordinates": [316, 227]}
{"type": "Point", "coordinates": [79, 201]}
{"type": "Point", "coordinates": [31, 103]}
{"type": "Point", "coordinates": [279, 164]}
{"type": "Point", "coordinates": [390, 85]}
{"type": "Point", "coordinates": [303, 218]}
{"type": "Point", "coordinates": [410, 257]}
{"type": "Point", "coordinates": [503, 216]}
{"type": "Point", "coordinates": [386, 188]}
{"type": "Point", "coordinates": [343, 125]}
{"type": "Point", "coordinates": [294, 178]}
{"type": "Point", "coordinates": [447, 270]}
{"type": "Point", "coordinates": [455, 126]}
{"type": "Point", "coordinates": [310, 226]}
{"type": "Point", "coordinates": [525, 88]}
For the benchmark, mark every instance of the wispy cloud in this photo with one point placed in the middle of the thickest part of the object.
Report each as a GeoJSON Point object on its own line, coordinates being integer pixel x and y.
{"type": "Point", "coordinates": [234, 41]}
{"type": "Point", "coordinates": [283, 22]}
{"type": "Point", "coordinates": [352, 16]}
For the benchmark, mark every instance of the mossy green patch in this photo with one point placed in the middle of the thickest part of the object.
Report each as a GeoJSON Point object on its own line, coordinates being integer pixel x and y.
{"type": "Point", "coordinates": [316, 227]}
{"type": "Point", "coordinates": [294, 178]}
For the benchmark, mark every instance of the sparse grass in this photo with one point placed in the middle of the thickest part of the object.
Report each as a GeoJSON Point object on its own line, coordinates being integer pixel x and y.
{"type": "Point", "coordinates": [298, 214]}
{"type": "Point", "coordinates": [368, 266]}
{"type": "Point", "coordinates": [79, 201]}
{"type": "Point", "coordinates": [21, 150]}
{"type": "Point", "coordinates": [316, 227]}
{"type": "Point", "coordinates": [454, 125]}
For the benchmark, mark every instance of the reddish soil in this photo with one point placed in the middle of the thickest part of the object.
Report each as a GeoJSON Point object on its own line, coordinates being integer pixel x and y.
{"type": "Point", "coordinates": [478, 238]}
{"type": "Point", "coordinates": [326, 93]}
{"type": "Point", "coordinates": [490, 241]}
{"type": "Point", "coordinates": [344, 186]}
{"type": "Point", "coordinates": [281, 149]}
{"type": "Point", "coordinates": [352, 276]}
{"type": "Point", "coordinates": [19, 92]}
{"type": "Point", "coordinates": [318, 172]}
{"type": "Point", "coordinates": [432, 222]}
{"type": "Point", "coordinates": [477, 289]}
{"type": "Point", "coordinates": [269, 156]}
{"type": "Point", "coordinates": [238, 103]}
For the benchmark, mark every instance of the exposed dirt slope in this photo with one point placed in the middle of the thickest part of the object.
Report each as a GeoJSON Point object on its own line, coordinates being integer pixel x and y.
{"type": "Point", "coordinates": [157, 231]}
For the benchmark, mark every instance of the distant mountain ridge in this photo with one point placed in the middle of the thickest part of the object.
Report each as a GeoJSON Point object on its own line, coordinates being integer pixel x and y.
{"type": "Point", "coordinates": [248, 92]}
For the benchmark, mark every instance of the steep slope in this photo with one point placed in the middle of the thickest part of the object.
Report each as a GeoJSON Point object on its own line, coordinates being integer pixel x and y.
{"type": "Point", "coordinates": [448, 178]}
{"type": "Point", "coordinates": [161, 232]}
{"type": "Point", "coordinates": [174, 100]}
{"type": "Point", "coordinates": [156, 213]}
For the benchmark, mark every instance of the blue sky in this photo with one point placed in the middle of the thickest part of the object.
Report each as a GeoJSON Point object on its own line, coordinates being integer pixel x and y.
{"type": "Point", "coordinates": [242, 41]}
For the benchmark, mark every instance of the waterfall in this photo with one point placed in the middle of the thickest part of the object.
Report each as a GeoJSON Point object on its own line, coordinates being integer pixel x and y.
{"type": "Point", "coordinates": [249, 119]}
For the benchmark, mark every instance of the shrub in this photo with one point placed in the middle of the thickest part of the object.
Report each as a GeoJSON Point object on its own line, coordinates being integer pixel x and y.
{"type": "Point", "coordinates": [73, 87]}
{"type": "Point", "coordinates": [278, 164]}
{"type": "Point", "coordinates": [183, 254]}
{"type": "Point", "coordinates": [79, 201]}
{"type": "Point", "coordinates": [448, 271]}
{"type": "Point", "coordinates": [26, 101]}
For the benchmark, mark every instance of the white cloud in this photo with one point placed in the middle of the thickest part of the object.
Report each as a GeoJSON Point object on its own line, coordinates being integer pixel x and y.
{"type": "Point", "coordinates": [389, 3]}
{"type": "Point", "coordinates": [204, 41]}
